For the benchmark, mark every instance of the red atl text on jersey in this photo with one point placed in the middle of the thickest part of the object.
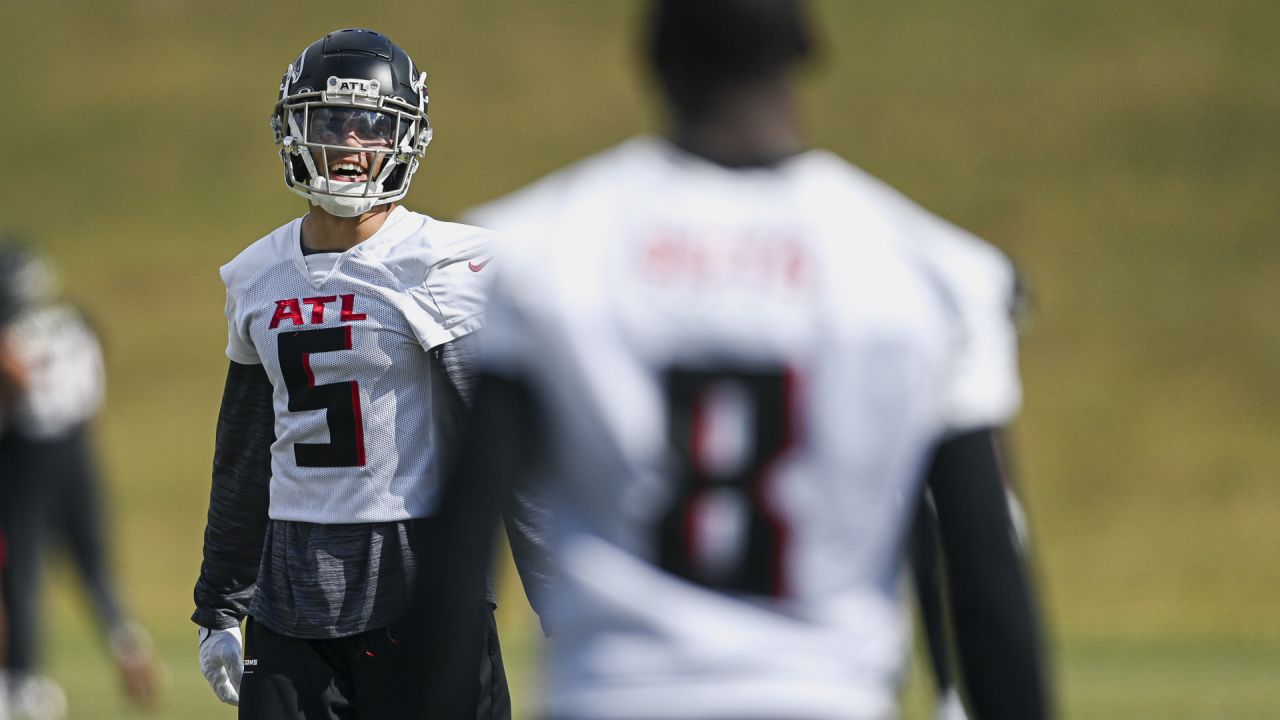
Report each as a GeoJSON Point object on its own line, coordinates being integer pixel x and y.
{"type": "Point", "coordinates": [291, 310]}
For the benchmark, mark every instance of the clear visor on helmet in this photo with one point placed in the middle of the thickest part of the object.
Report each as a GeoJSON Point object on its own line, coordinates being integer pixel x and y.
{"type": "Point", "coordinates": [353, 126]}
{"type": "Point", "coordinates": [349, 148]}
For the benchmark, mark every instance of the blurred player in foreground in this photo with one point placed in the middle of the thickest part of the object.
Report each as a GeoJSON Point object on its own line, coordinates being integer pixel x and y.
{"type": "Point", "coordinates": [51, 386]}
{"type": "Point", "coordinates": [739, 360]}
{"type": "Point", "coordinates": [349, 335]}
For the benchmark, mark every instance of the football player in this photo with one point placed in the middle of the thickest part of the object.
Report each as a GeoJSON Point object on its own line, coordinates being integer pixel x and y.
{"type": "Point", "coordinates": [51, 387]}
{"type": "Point", "coordinates": [738, 360]}
{"type": "Point", "coordinates": [349, 339]}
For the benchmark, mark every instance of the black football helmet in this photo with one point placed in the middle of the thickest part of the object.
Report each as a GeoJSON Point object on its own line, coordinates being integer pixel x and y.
{"type": "Point", "coordinates": [351, 121]}
{"type": "Point", "coordinates": [26, 279]}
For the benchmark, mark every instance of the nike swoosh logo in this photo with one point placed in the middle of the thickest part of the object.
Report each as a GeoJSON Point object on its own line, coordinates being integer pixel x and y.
{"type": "Point", "coordinates": [478, 266]}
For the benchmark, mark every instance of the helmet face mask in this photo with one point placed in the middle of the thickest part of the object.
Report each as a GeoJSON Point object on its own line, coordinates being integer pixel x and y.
{"type": "Point", "coordinates": [351, 122]}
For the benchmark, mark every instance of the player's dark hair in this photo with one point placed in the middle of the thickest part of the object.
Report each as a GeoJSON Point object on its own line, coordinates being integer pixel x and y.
{"type": "Point", "coordinates": [698, 48]}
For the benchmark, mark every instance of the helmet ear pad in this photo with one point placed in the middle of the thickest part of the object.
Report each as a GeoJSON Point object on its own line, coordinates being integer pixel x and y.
{"type": "Point", "coordinates": [397, 176]}
{"type": "Point", "coordinates": [298, 166]}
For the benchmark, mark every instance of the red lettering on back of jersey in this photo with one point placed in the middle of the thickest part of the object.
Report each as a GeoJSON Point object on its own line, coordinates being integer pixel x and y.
{"type": "Point", "coordinates": [287, 310]}
{"type": "Point", "coordinates": [760, 259]}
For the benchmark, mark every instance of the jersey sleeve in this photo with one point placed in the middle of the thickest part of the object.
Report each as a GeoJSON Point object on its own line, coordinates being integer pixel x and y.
{"type": "Point", "coordinates": [235, 274]}
{"type": "Point", "coordinates": [239, 347]}
{"type": "Point", "coordinates": [455, 288]}
{"type": "Point", "coordinates": [512, 336]}
{"type": "Point", "coordinates": [978, 285]}
{"type": "Point", "coordinates": [523, 221]}
{"type": "Point", "coordinates": [983, 387]}
{"type": "Point", "coordinates": [506, 343]}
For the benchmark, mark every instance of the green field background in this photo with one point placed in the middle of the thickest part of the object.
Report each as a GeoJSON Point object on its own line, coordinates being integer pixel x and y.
{"type": "Point", "coordinates": [1125, 153]}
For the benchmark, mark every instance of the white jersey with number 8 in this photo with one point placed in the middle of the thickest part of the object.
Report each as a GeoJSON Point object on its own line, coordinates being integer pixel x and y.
{"type": "Point", "coordinates": [745, 373]}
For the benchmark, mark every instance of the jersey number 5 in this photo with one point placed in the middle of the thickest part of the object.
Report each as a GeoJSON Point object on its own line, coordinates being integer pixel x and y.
{"type": "Point", "coordinates": [340, 400]}
{"type": "Point", "coordinates": [727, 429]}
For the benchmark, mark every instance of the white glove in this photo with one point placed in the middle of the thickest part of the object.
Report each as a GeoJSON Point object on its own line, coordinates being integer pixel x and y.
{"type": "Point", "coordinates": [222, 662]}
{"type": "Point", "coordinates": [4, 695]}
{"type": "Point", "coordinates": [35, 697]}
{"type": "Point", "coordinates": [950, 707]}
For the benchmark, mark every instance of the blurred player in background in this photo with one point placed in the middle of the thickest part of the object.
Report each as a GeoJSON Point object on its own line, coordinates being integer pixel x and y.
{"type": "Point", "coordinates": [349, 335]}
{"type": "Point", "coordinates": [51, 386]}
{"type": "Point", "coordinates": [739, 361]}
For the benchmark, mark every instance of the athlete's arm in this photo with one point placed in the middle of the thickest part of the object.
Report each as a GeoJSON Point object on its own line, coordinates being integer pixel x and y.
{"type": "Point", "coordinates": [447, 621]}
{"type": "Point", "coordinates": [527, 518]}
{"type": "Point", "coordinates": [13, 375]}
{"type": "Point", "coordinates": [927, 577]}
{"type": "Point", "coordinates": [453, 379]}
{"type": "Point", "coordinates": [4, 622]}
{"type": "Point", "coordinates": [525, 515]}
{"type": "Point", "coordinates": [238, 501]}
{"type": "Point", "coordinates": [996, 627]}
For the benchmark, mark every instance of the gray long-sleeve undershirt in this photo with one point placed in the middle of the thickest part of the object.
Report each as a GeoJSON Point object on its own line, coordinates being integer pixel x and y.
{"type": "Point", "coordinates": [309, 580]}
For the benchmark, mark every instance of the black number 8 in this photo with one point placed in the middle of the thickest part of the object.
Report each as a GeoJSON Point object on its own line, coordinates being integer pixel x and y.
{"type": "Point", "coordinates": [750, 559]}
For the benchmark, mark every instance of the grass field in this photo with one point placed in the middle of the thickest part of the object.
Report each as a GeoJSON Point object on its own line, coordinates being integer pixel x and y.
{"type": "Point", "coordinates": [1125, 154]}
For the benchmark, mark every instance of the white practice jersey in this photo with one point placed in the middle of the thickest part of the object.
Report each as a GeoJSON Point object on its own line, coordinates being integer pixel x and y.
{"type": "Point", "coordinates": [344, 338]}
{"type": "Point", "coordinates": [63, 362]}
{"type": "Point", "coordinates": [745, 373]}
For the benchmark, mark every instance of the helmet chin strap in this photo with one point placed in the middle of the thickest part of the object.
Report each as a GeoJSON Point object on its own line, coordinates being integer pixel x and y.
{"type": "Point", "coordinates": [332, 198]}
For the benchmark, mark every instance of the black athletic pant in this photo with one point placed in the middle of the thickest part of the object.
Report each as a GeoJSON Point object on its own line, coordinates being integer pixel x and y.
{"type": "Point", "coordinates": [360, 677]}
{"type": "Point", "coordinates": [49, 491]}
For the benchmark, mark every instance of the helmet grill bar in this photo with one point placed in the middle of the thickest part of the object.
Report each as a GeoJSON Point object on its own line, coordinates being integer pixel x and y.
{"type": "Point", "coordinates": [407, 147]}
